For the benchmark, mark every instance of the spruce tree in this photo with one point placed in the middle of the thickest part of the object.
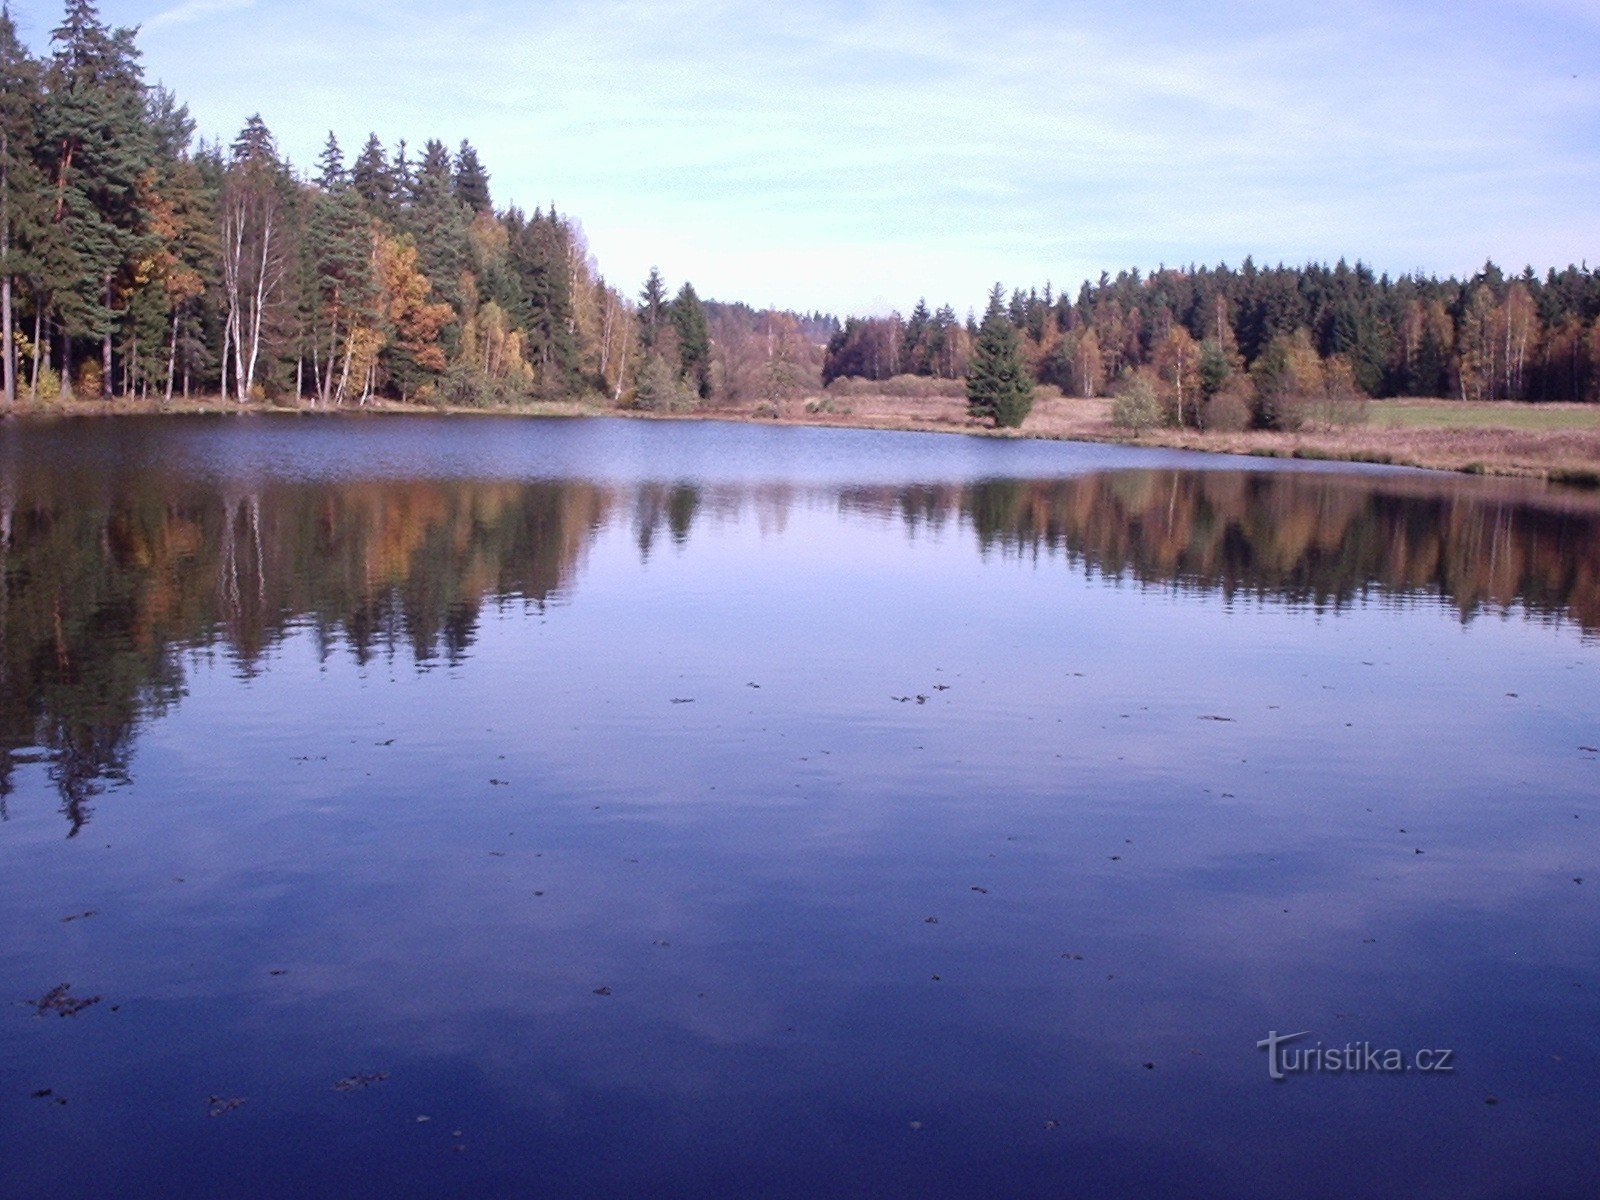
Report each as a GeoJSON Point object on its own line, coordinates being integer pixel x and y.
{"type": "Point", "coordinates": [998, 387]}
{"type": "Point", "coordinates": [331, 175]}
{"type": "Point", "coordinates": [22, 209]}
{"type": "Point", "coordinates": [652, 309]}
{"type": "Point", "coordinates": [373, 179]}
{"type": "Point", "coordinates": [694, 341]}
{"type": "Point", "coordinates": [472, 181]}
{"type": "Point", "coordinates": [96, 145]}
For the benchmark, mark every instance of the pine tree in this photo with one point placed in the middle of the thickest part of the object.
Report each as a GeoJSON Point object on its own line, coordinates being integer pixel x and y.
{"type": "Point", "coordinates": [694, 341]}
{"type": "Point", "coordinates": [96, 146]}
{"type": "Point", "coordinates": [440, 225]}
{"type": "Point", "coordinates": [331, 175]}
{"type": "Point", "coordinates": [998, 387]}
{"type": "Point", "coordinates": [915, 350]}
{"type": "Point", "coordinates": [373, 179]}
{"type": "Point", "coordinates": [652, 310]}
{"type": "Point", "coordinates": [21, 187]}
{"type": "Point", "coordinates": [472, 181]}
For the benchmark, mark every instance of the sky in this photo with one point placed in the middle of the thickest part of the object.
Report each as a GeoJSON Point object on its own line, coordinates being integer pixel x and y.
{"type": "Point", "coordinates": [855, 156]}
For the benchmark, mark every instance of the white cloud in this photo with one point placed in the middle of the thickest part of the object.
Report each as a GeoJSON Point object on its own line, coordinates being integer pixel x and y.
{"type": "Point", "coordinates": [195, 10]}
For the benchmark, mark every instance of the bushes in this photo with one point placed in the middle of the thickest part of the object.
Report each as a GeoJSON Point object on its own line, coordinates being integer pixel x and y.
{"type": "Point", "coordinates": [904, 387]}
{"type": "Point", "coordinates": [1138, 405]}
{"type": "Point", "coordinates": [465, 386]}
{"type": "Point", "coordinates": [1228, 411]}
{"type": "Point", "coordinates": [658, 388]}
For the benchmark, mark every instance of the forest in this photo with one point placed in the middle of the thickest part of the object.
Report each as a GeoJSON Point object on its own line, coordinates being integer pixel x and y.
{"type": "Point", "coordinates": [139, 261]}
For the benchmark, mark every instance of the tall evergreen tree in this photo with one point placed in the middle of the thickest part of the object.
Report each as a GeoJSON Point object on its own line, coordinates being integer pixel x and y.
{"type": "Point", "coordinates": [21, 192]}
{"type": "Point", "coordinates": [331, 175]}
{"type": "Point", "coordinates": [652, 310]}
{"type": "Point", "coordinates": [373, 179]}
{"type": "Point", "coordinates": [96, 147]}
{"type": "Point", "coordinates": [694, 341]}
{"type": "Point", "coordinates": [472, 181]}
{"type": "Point", "coordinates": [998, 387]}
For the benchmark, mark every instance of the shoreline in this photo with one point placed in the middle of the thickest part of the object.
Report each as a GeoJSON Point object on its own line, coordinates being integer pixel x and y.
{"type": "Point", "coordinates": [1569, 457]}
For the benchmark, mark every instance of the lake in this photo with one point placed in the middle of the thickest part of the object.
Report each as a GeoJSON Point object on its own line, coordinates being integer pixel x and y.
{"type": "Point", "coordinates": [498, 808]}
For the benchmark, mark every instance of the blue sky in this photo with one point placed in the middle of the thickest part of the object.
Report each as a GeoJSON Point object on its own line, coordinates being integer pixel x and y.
{"type": "Point", "coordinates": [854, 156]}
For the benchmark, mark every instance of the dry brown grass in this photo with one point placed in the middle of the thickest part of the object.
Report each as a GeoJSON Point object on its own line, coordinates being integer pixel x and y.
{"type": "Point", "coordinates": [1571, 454]}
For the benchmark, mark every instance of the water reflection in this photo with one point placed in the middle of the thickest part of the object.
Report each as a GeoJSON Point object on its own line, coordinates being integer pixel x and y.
{"type": "Point", "coordinates": [715, 811]}
{"type": "Point", "coordinates": [109, 579]}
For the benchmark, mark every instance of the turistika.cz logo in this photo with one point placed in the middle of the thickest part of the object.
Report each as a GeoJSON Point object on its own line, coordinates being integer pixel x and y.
{"type": "Point", "coordinates": [1285, 1058]}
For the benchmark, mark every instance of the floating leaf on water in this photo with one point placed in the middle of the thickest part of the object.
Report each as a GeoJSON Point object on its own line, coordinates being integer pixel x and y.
{"type": "Point", "coordinates": [58, 1001]}
{"type": "Point", "coordinates": [360, 1080]}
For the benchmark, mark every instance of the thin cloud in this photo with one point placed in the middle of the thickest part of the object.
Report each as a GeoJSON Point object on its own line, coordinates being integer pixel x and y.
{"type": "Point", "coordinates": [196, 10]}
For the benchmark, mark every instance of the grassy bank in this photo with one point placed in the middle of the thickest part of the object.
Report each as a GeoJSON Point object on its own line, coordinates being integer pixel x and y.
{"type": "Point", "coordinates": [1558, 442]}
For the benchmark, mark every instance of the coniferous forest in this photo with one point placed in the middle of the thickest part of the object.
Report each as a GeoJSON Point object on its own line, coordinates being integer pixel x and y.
{"type": "Point", "coordinates": [136, 260]}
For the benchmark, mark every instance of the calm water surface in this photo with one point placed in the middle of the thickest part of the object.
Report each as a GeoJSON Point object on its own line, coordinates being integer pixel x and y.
{"type": "Point", "coordinates": [520, 808]}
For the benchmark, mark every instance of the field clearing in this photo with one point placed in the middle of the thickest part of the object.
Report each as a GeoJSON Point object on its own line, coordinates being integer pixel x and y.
{"type": "Point", "coordinates": [1493, 414]}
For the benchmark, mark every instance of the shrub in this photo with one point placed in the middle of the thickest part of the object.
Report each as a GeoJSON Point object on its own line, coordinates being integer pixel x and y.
{"type": "Point", "coordinates": [1342, 402]}
{"type": "Point", "coordinates": [1138, 405]}
{"type": "Point", "coordinates": [922, 387]}
{"type": "Point", "coordinates": [658, 388]}
{"type": "Point", "coordinates": [1227, 412]}
{"type": "Point", "coordinates": [49, 384]}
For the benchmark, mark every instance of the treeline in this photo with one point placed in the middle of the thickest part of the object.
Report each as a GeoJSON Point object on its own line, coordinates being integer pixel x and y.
{"type": "Point", "coordinates": [136, 261]}
{"type": "Point", "coordinates": [1491, 337]}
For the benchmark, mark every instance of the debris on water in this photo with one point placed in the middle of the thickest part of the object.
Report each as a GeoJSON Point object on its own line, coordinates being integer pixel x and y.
{"type": "Point", "coordinates": [1149, 1066]}
{"type": "Point", "coordinates": [1590, 749]}
{"type": "Point", "coordinates": [901, 699]}
{"type": "Point", "coordinates": [222, 1105]}
{"type": "Point", "coordinates": [497, 854]}
{"type": "Point", "coordinates": [50, 1095]}
{"type": "Point", "coordinates": [538, 893]}
{"type": "Point", "coordinates": [916, 1125]}
{"type": "Point", "coordinates": [277, 973]}
{"type": "Point", "coordinates": [57, 1001]}
{"type": "Point", "coordinates": [359, 1080]}
{"type": "Point", "coordinates": [757, 686]}
{"type": "Point", "coordinates": [499, 783]}
{"type": "Point", "coordinates": [922, 699]}
{"type": "Point", "coordinates": [602, 991]}
{"type": "Point", "coordinates": [83, 916]}
{"type": "Point", "coordinates": [1052, 1124]}
{"type": "Point", "coordinates": [1577, 879]}
{"type": "Point", "coordinates": [1491, 1100]}
{"type": "Point", "coordinates": [931, 921]}
{"type": "Point", "coordinates": [981, 890]}
{"type": "Point", "coordinates": [1226, 720]}
{"type": "Point", "coordinates": [1073, 957]}
{"type": "Point", "coordinates": [682, 700]}
{"type": "Point", "coordinates": [941, 687]}
{"type": "Point", "coordinates": [423, 1120]}
{"type": "Point", "coordinates": [390, 742]}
